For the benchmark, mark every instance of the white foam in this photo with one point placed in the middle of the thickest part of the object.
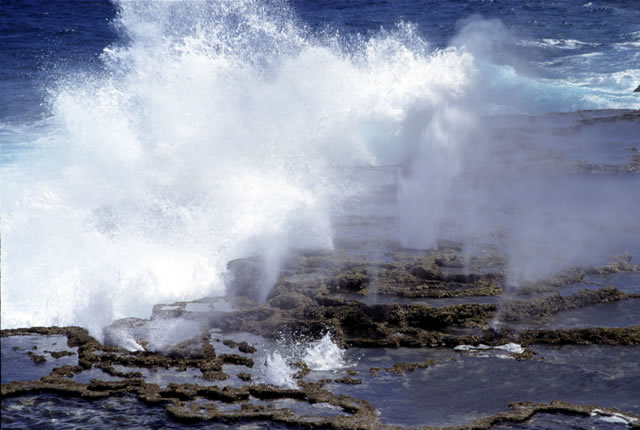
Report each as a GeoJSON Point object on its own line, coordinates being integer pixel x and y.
{"type": "Point", "coordinates": [201, 142]}
{"type": "Point", "coordinates": [325, 405]}
{"type": "Point", "coordinates": [471, 347]}
{"type": "Point", "coordinates": [214, 133]}
{"type": "Point", "coordinates": [123, 338]}
{"type": "Point", "coordinates": [324, 354]}
{"type": "Point", "coordinates": [278, 372]}
{"type": "Point", "coordinates": [166, 332]}
{"type": "Point", "coordinates": [613, 417]}
{"type": "Point", "coordinates": [566, 44]}
{"type": "Point", "coordinates": [511, 348]}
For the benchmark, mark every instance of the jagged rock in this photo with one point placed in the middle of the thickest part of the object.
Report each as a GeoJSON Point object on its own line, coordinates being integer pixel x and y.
{"type": "Point", "coordinates": [353, 280]}
{"type": "Point", "coordinates": [290, 301]}
{"type": "Point", "coordinates": [245, 376]}
{"type": "Point", "coordinates": [514, 310]}
{"type": "Point", "coordinates": [322, 299]}
{"type": "Point", "coordinates": [244, 277]}
{"type": "Point", "coordinates": [38, 359]}
{"type": "Point", "coordinates": [246, 348]}
{"type": "Point", "coordinates": [348, 380]}
{"type": "Point", "coordinates": [426, 270]}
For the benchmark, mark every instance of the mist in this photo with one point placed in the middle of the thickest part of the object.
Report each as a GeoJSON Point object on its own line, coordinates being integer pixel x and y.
{"type": "Point", "coordinates": [220, 131]}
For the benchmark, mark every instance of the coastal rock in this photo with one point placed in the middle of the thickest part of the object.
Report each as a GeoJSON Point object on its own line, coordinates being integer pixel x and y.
{"type": "Point", "coordinates": [426, 270]}
{"type": "Point", "coordinates": [539, 309]}
{"type": "Point", "coordinates": [319, 294]}
{"type": "Point", "coordinates": [355, 280]}
{"type": "Point", "coordinates": [633, 166]}
{"type": "Point", "coordinates": [244, 277]}
{"type": "Point", "coordinates": [586, 336]}
{"type": "Point", "coordinates": [37, 358]}
{"type": "Point", "coordinates": [290, 301]}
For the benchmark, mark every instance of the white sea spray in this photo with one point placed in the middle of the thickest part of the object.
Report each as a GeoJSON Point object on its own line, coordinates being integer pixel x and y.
{"type": "Point", "coordinates": [221, 130]}
{"type": "Point", "coordinates": [209, 136]}
{"type": "Point", "coordinates": [278, 372]}
{"type": "Point", "coordinates": [324, 354]}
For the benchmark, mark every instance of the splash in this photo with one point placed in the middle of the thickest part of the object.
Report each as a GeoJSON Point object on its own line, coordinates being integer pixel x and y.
{"type": "Point", "coordinates": [318, 355]}
{"type": "Point", "coordinates": [221, 130]}
{"type": "Point", "coordinates": [324, 354]}
{"type": "Point", "coordinates": [210, 135]}
{"type": "Point", "coordinates": [124, 339]}
{"type": "Point", "coordinates": [278, 372]}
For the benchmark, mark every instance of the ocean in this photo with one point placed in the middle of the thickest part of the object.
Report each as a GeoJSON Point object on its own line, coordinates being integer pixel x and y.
{"type": "Point", "coordinates": [147, 127]}
{"type": "Point", "coordinates": [144, 145]}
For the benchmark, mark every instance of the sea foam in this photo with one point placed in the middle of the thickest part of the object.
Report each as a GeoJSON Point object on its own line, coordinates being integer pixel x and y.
{"type": "Point", "coordinates": [222, 130]}
{"type": "Point", "coordinates": [209, 135]}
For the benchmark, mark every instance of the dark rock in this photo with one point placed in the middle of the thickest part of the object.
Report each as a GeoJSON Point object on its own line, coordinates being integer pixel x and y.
{"type": "Point", "coordinates": [268, 392]}
{"type": "Point", "coordinates": [198, 347]}
{"type": "Point", "coordinates": [236, 359]}
{"type": "Point", "coordinates": [632, 167]}
{"type": "Point", "coordinates": [38, 359]}
{"type": "Point", "coordinates": [466, 315]}
{"type": "Point", "coordinates": [214, 365]}
{"type": "Point", "coordinates": [246, 348]}
{"type": "Point", "coordinates": [348, 380]}
{"type": "Point", "coordinates": [303, 304]}
{"type": "Point", "coordinates": [214, 375]}
{"type": "Point", "coordinates": [66, 371]}
{"type": "Point", "coordinates": [230, 343]}
{"type": "Point", "coordinates": [245, 376]}
{"type": "Point", "coordinates": [60, 354]}
{"type": "Point", "coordinates": [544, 307]}
{"type": "Point", "coordinates": [304, 369]}
{"type": "Point", "coordinates": [427, 271]}
{"type": "Point", "coordinates": [290, 301]}
{"type": "Point", "coordinates": [244, 278]}
{"type": "Point", "coordinates": [400, 368]}
{"type": "Point", "coordinates": [353, 280]}
{"type": "Point", "coordinates": [109, 386]}
{"type": "Point", "coordinates": [583, 336]}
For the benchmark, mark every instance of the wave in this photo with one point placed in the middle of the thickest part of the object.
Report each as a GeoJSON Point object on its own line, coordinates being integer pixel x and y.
{"type": "Point", "coordinates": [563, 44]}
{"type": "Point", "coordinates": [207, 137]}
{"type": "Point", "coordinates": [213, 132]}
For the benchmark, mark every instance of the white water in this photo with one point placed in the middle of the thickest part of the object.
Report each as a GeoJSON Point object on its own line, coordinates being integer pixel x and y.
{"type": "Point", "coordinates": [207, 138]}
{"type": "Point", "coordinates": [213, 134]}
{"type": "Point", "coordinates": [483, 350]}
{"type": "Point", "coordinates": [319, 355]}
{"type": "Point", "coordinates": [324, 354]}
{"type": "Point", "coordinates": [278, 372]}
{"type": "Point", "coordinates": [613, 417]}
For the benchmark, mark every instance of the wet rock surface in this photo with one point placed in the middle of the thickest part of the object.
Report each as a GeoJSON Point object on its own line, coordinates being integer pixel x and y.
{"type": "Point", "coordinates": [217, 374]}
{"type": "Point", "coordinates": [427, 338]}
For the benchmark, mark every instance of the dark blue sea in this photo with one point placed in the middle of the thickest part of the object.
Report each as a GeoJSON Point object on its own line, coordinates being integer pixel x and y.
{"type": "Point", "coordinates": [145, 144]}
{"type": "Point", "coordinates": [573, 54]}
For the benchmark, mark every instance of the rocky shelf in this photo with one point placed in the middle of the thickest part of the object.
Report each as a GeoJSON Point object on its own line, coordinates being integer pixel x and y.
{"type": "Point", "coordinates": [211, 375]}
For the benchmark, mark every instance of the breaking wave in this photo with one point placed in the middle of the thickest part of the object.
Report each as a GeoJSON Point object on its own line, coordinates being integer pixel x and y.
{"type": "Point", "coordinates": [213, 132]}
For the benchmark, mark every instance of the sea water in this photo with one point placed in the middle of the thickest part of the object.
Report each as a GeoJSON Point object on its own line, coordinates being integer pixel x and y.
{"type": "Point", "coordinates": [145, 144]}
